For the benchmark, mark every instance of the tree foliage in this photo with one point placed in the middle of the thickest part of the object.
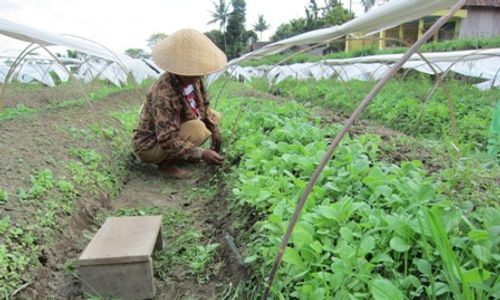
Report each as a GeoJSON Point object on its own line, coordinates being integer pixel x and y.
{"type": "Point", "coordinates": [155, 38]}
{"type": "Point", "coordinates": [217, 37]}
{"type": "Point", "coordinates": [236, 34]}
{"type": "Point", "coordinates": [136, 53]}
{"type": "Point", "coordinates": [72, 53]}
{"type": "Point", "coordinates": [331, 13]}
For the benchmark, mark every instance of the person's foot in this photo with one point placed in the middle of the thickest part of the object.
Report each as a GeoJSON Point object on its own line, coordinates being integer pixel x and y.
{"type": "Point", "coordinates": [173, 171]}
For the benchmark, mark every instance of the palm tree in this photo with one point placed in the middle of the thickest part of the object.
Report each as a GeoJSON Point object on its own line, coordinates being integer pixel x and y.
{"type": "Point", "coordinates": [261, 25]}
{"type": "Point", "coordinates": [221, 14]}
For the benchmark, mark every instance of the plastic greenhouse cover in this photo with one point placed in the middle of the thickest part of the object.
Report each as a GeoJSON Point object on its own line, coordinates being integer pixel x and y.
{"type": "Point", "coordinates": [60, 72]}
{"type": "Point", "coordinates": [3, 73]}
{"type": "Point", "coordinates": [483, 64]}
{"type": "Point", "coordinates": [137, 67]}
{"type": "Point", "coordinates": [38, 72]}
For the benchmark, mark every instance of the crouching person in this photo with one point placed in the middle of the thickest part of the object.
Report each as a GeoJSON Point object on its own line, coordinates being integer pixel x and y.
{"type": "Point", "coordinates": [176, 119]}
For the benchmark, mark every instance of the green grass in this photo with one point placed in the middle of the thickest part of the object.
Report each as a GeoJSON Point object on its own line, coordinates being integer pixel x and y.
{"type": "Point", "coordinates": [15, 112]}
{"type": "Point", "coordinates": [184, 248]}
{"type": "Point", "coordinates": [23, 111]}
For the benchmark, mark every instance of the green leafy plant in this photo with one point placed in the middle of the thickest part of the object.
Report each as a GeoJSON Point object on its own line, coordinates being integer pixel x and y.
{"type": "Point", "coordinates": [363, 232]}
{"type": "Point", "coordinates": [399, 105]}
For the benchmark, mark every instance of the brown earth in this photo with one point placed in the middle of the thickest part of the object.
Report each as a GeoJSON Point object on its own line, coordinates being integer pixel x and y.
{"type": "Point", "coordinates": [42, 141]}
{"type": "Point", "coordinates": [396, 146]}
{"type": "Point", "coordinates": [37, 96]}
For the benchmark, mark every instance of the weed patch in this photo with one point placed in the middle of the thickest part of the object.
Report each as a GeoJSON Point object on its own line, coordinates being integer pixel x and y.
{"type": "Point", "coordinates": [186, 253]}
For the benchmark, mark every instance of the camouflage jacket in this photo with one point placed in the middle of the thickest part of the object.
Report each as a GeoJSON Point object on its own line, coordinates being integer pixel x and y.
{"type": "Point", "coordinates": [162, 114]}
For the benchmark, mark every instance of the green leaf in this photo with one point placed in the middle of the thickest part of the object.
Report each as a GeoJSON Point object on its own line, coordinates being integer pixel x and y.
{"type": "Point", "coordinates": [301, 236]}
{"type": "Point", "coordinates": [346, 233]}
{"type": "Point", "coordinates": [291, 256]}
{"type": "Point", "coordinates": [440, 288]}
{"type": "Point", "coordinates": [318, 294]}
{"type": "Point", "coordinates": [375, 178]}
{"type": "Point", "coordinates": [306, 289]}
{"type": "Point", "coordinates": [383, 289]}
{"type": "Point", "coordinates": [481, 253]}
{"type": "Point", "coordinates": [274, 218]}
{"type": "Point", "coordinates": [250, 259]}
{"type": "Point", "coordinates": [399, 245]}
{"type": "Point", "coordinates": [382, 258]}
{"type": "Point", "coordinates": [4, 225]}
{"type": "Point", "coordinates": [308, 254]}
{"type": "Point", "coordinates": [323, 231]}
{"type": "Point", "coordinates": [478, 235]}
{"type": "Point", "coordinates": [328, 212]}
{"type": "Point", "coordinates": [316, 246]}
{"type": "Point", "coordinates": [424, 266]}
{"type": "Point", "coordinates": [476, 275]}
{"type": "Point", "coordinates": [367, 244]}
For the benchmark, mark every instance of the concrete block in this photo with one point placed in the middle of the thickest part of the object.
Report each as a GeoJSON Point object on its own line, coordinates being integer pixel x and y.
{"type": "Point", "coordinates": [119, 281]}
{"type": "Point", "coordinates": [117, 261]}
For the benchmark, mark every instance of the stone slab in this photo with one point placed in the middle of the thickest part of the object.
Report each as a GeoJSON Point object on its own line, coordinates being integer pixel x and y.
{"type": "Point", "coordinates": [123, 240]}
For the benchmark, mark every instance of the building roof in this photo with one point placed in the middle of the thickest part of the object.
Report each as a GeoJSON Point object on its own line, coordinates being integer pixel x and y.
{"type": "Point", "coordinates": [493, 3]}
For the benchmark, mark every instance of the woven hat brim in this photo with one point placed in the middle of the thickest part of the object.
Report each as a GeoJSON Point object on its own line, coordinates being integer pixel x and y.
{"type": "Point", "coordinates": [188, 52]}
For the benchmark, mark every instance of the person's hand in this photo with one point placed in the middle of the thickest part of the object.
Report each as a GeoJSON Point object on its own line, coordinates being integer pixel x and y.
{"type": "Point", "coordinates": [216, 142]}
{"type": "Point", "coordinates": [210, 156]}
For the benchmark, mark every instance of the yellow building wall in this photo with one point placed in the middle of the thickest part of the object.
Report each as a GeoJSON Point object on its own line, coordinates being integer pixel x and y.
{"type": "Point", "coordinates": [353, 43]}
{"type": "Point", "coordinates": [409, 33]}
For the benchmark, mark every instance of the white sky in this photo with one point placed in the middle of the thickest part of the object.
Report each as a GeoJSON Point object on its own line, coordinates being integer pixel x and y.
{"type": "Point", "coordinates": [127, 24]}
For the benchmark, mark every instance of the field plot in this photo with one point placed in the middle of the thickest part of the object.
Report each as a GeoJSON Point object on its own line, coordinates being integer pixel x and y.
{"type": "Point", "coordinates": [385, 220]}
{"type": "Point", "coordinates": [397, 213]}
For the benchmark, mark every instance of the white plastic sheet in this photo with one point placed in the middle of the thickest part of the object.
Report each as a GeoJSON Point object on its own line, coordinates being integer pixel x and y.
{"type": "Point", "coordinates": [39, 72]}
{"type": "Point", "coordinates": [136, 67]}
{"type": "Point", "coordinates": [484, 64]}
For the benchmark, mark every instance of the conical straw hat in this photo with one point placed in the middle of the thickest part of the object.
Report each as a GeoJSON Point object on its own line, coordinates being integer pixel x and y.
{"type": "Point", "coordinates": [188, 52]}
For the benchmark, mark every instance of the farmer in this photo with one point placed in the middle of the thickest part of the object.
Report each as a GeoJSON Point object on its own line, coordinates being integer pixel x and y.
{"type": "Point", "coordinates": [175, 121]}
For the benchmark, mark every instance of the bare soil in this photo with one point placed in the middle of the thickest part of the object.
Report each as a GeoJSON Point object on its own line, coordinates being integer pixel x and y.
{"type": "Point", "coordinates": [396, 146]}
{"type": "Point", "coordinates": [42, 141]}
{"type": "Point", "coordinates": [37, 96]}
